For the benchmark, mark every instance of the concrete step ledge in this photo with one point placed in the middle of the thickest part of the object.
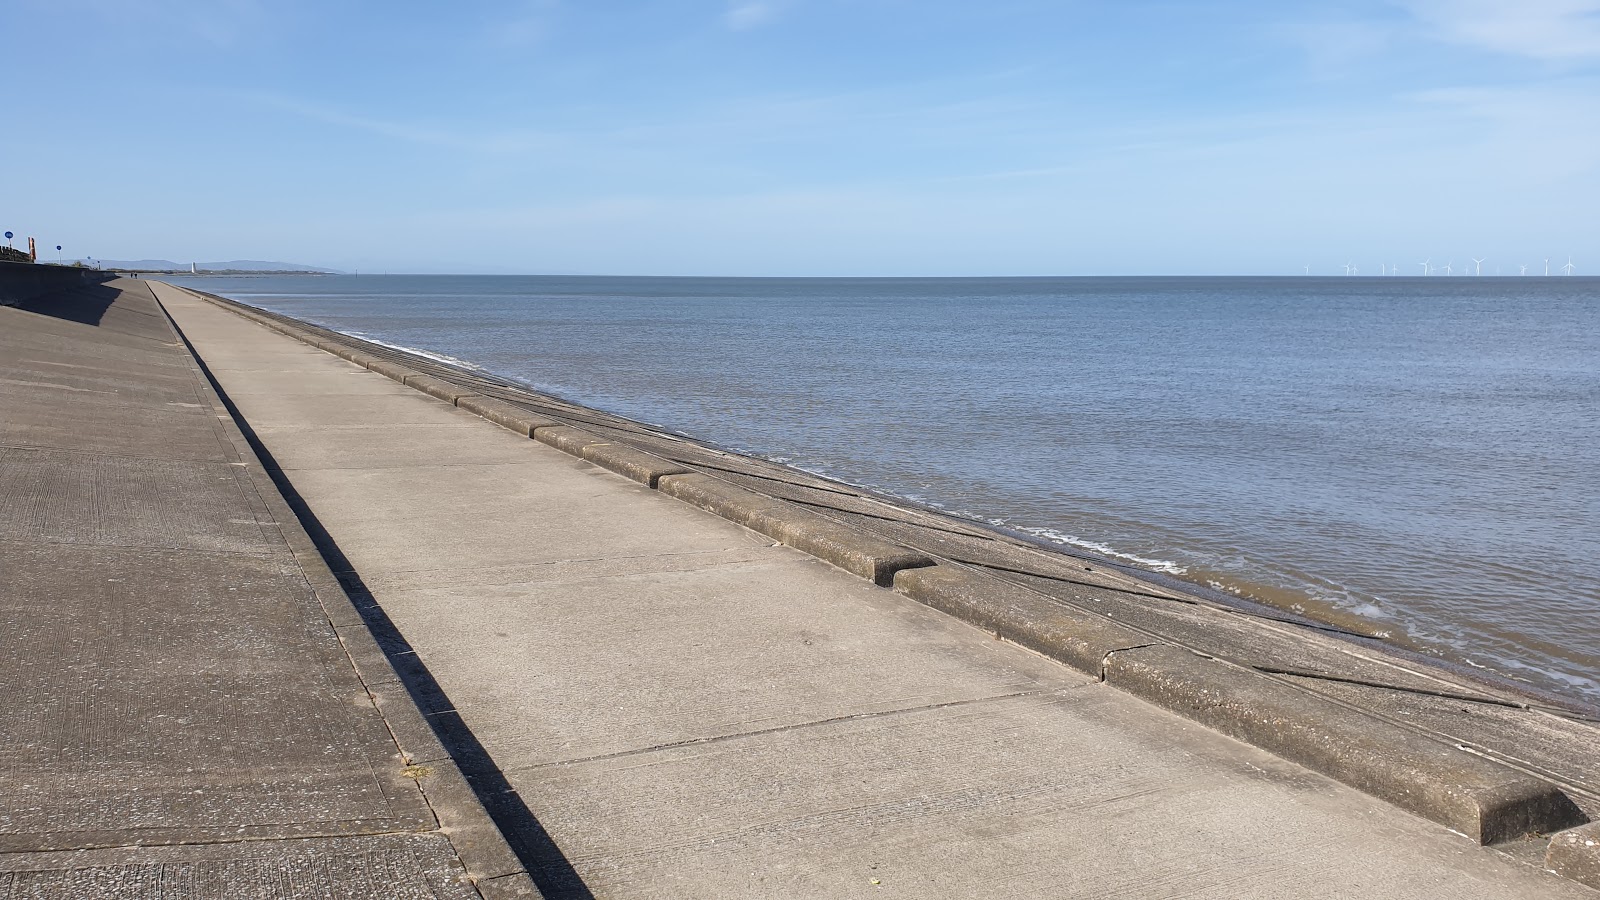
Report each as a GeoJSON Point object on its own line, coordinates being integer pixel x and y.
{"type": "Point", "coordinates": [645, 468]}
{"type": "Point", "coordinates": [391, 369]}
{"type": "Point", "coordinates": [565, 438]}
{"type": "Point", "coordinates": [1575, 854]}
{"type": "Point", "coordinates": [1483, 800]}
{"type": "Point", "coordinates": [1079, 639]}
{"type": "Point", "coordinates": [856, 552]}
{"type": "Point", "coordinates": [506, 415]}
{"type": "Point", "coordinates": [344, 351]}
{"type": "Point", "coordinates": [448, 391]}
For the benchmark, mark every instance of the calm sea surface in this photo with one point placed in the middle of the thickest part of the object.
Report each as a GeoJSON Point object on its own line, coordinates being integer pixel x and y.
{"type": "Point", "coordinates": [1423, 451]}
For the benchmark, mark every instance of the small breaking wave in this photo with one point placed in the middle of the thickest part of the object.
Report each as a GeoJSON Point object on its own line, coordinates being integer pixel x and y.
{"type": "Point", "coordinates": [1056, 537]}
{"type": "Point", "coordinates": [425, 354]}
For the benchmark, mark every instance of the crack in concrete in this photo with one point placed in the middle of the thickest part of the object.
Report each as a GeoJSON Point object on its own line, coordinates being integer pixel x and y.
{"type": "Point", "coordinates": [797, 726]}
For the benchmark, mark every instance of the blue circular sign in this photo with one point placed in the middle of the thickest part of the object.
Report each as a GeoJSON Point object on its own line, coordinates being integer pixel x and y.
{"type": "Point", "coordinates": [8, 235]}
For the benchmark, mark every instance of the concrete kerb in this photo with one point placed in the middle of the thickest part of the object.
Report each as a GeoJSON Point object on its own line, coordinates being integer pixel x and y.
{"type": "Point", "coordinates": [1071, 636]}
{"type": "Point", "coordinates": [448, 391]}
{"type": "Point", "coordinates": [390, 369]}
{"type": "Point", "coordinates": [1575, 854]}
{"type": "Point", "coordinates": [345, 351]}
{"type": "Point", "coordinates": [856, 552]}
{"type": "Point", "coordinates": [565, 438]}
{"type": "Point", "coordinates": [476, 836]}
{"type": "Point", "coordinates": [510, 887]}
{"type": "Point", "coordinates": [1488, 802]}
{"type": "Point", "coordinates": [645, 468]}
{"type": "Point", "coordinates": [506, 415]}
{"type": "Point", "coordinates": [418, 741]}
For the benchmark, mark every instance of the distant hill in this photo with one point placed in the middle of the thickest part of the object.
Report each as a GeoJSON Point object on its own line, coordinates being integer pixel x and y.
{"type": "Point", "coordinates": [232, 265]}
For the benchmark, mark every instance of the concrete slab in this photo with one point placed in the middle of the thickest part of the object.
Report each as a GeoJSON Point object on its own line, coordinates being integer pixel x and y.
{"type": "Point", "coordinates": [87, 344]}
{"type": "Point", "coordinates": [347, 379]}
{"type": "Point", "coordinates": [957, 802]}
{"type": "Point", "coordinates": [41, 375]}
{"type": "Point", "coordinates": [69, 498]}
{"type": "Point", "coordinates": [391, 867]}
{"type": "Point", "coordinates": [171, 430]}
{"type": "Point", "coordinates": [387, 446]}
{"type": "Point", "coordinates": [393, 407]}
{"type": "Point", "coordinates": [566, 669]}
{"type": "Point", "coordinates": [468, 517]}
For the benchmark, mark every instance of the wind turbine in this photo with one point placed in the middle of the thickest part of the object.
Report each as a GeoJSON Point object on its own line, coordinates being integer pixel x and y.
{"type": "Point", "coordinates": [1479, 263]}
{"type": "Point", "coordinates": [1568, 267]}
{"type": "Point", "coordinates": [1347, 268]}
{"type": "Point", "coordinates": [1383, 268]}
{"type": "Point", "coordinates": [1424, 265]}
{"type": "Point", "coordinates": [1449, 267]}
{"type": "Point", "coordinates": [1524, 269]}
{"type": "Point", "coordinates": [1355, 270]}
{"type": "Point", "coordinates": [1547, 267]}
{"type": "Point", "coordinates": [1308, 270]}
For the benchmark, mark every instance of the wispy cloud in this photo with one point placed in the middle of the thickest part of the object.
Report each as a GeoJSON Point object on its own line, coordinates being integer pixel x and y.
{"type": "Point", "coordinates": [1335, 48]}
{"type": "Point", "coordinates": [219, 23]}
{"type": "Point", "coordinates": [1541, 29]}
{"type": "Point", "coordinates": [530, 24]}
{"type": "Point", "coordinates": [743, 15]}
{"type": "Point", "coordinates": [404, 131]}
{"type": "Point", "coordinates": [1543, 133]}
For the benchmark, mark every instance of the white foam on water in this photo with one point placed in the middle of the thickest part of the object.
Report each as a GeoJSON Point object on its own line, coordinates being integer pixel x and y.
{"type": "Point", "coordinates": [1057, 537]}
{"type": "Point", "coordinates": [425, 354]}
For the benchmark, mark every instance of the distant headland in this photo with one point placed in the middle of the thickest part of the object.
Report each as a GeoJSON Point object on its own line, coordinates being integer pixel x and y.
{"type": "Point", "coordinates": [230, 267]}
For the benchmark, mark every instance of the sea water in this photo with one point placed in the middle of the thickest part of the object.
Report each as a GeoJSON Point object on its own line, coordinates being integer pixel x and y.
{"type": "Point", "coordinates": [1422, 451]}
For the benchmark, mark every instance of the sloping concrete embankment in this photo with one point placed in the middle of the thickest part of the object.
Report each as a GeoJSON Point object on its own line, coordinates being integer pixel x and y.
{"type": "Point", "coordinates": [1481, 759]}
{"type": "Point", "coordinates": [180, 716]}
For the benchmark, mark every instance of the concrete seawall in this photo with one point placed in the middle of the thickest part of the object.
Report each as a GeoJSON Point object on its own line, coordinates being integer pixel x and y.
{"type": "Point", "coordinates": [23, 281]}
{"type": "Point", "coordinates": [288, 613]}
{"type": "Point", "coordinates": [1455, 751]}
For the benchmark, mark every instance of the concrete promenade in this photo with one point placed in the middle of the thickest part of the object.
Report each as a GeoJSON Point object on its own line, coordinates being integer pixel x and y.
{"type": "Point", "coordinates": [179, 718]}
{"type": "Point", "coordinates": [656, 702]}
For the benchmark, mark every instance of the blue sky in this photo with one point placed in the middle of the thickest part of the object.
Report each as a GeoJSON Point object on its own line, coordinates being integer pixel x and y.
{"type": "Point", "coordinates": [807, 137]}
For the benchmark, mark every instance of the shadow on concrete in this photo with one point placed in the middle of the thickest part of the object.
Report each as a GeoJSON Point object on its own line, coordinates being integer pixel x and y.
{"type": "Point", "coordinates": [85, 305]}
{"type": "Point", "coordinates": [550, 869]}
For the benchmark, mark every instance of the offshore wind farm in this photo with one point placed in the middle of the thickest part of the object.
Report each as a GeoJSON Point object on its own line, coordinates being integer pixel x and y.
{"type": "Point", "coordinates": [1447, 269]}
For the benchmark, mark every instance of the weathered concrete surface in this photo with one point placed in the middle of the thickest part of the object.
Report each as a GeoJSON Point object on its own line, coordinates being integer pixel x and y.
{"type": "Point", "coordinates": [179, 716]}
{"type": "Point", "coordinates": [1079, 639]}
{"type": "Point", "coordinates": [1575, 854]}
{"type": "Point", "coordinates": [686, 709]}
{"type": "Point", "coordinates": [1481, 799]}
